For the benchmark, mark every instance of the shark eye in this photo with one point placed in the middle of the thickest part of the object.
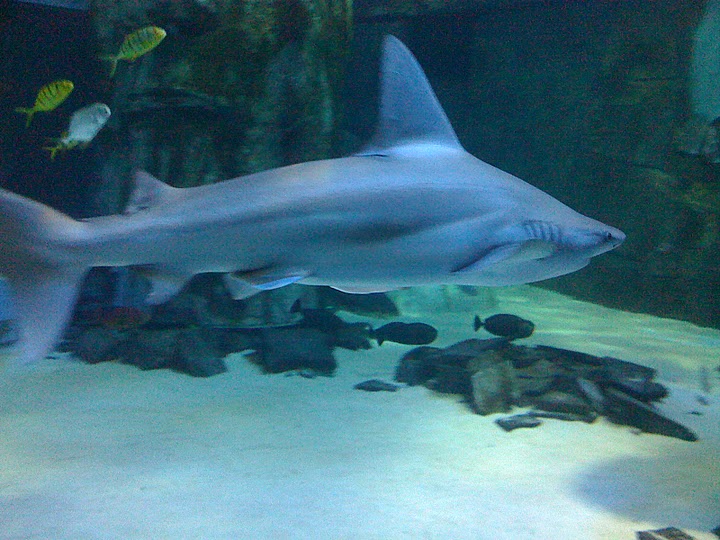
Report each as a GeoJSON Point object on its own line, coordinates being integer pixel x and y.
{"type": "Point", "coordinates": [609, 237]}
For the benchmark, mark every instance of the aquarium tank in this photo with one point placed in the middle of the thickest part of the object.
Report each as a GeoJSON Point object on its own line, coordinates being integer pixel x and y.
{"type": "Point", "coordinates": [360, 269]}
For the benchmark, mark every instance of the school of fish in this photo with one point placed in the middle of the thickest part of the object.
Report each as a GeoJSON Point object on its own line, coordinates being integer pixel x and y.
{"type": "Point", "coordinates": [86, 123]}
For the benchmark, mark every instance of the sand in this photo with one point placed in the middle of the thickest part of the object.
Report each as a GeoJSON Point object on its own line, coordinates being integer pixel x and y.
{"type": "Point", "coordinates": [108, 451]}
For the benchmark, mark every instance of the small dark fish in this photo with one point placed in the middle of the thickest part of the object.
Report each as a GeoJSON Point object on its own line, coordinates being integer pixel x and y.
{"type": "Point", "coordinates": [510, 423]}
{"type": "Point", "coordinates": [376, 385]}
{"type": "Point", "coordinates": [320, 319]}
{"type": "Point", "coordinates": [405, 333]}
{"type": "Point", "coordinates": [369, 305]}
{"type": "Point", "coordinates": [505, 325]}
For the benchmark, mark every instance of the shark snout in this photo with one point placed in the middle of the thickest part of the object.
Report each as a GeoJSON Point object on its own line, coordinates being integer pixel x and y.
{"type": "Point", "coordinates": [614, 237]}
{"type": "Point", "coordinates": [608, 238]}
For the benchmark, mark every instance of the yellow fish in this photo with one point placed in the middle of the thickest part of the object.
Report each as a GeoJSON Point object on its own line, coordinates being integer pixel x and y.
{"type": "Point", "coordinates": [49, 97]}
{"type": "Point", "coordinates": [136, 44]}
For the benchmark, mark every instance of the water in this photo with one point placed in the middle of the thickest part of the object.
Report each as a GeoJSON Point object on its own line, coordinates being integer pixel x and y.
{"type": "Point", "coordinates": [585, 101]}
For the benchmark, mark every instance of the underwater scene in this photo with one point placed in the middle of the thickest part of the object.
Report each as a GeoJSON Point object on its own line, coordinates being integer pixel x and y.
{"type": "Point", "coordinates": [336, 269]}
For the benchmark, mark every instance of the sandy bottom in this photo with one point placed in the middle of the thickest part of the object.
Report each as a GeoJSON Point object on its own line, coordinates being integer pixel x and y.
{"type": "Point", "coordinates": [107, 451]}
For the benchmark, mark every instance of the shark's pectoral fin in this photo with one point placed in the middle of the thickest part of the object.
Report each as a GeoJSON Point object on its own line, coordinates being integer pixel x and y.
{"type": "Point", "coordinates": [487, 258]}
{"type": "Point", "coordinates": [360, 290]}
{"type": "Point", "coordinates": [504, 253]}
{"type": "Point", "coordinates": [244, 284]}
{"type": "Point", "coordinates": [164, 283]}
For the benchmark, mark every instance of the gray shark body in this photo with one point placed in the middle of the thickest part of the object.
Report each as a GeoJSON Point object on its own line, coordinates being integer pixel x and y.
{"type": "Point", "coordinates": [413, 208]}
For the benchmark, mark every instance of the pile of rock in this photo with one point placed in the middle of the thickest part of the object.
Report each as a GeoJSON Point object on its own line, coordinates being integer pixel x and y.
{"type": "Point", "coordinates": [495, 375]}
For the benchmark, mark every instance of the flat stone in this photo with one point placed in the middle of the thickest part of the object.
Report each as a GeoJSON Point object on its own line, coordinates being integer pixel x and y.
{"type": "Point", "coordinates": [510, 423]}
{"type": "Point", "coordinates": [376, 385]}
{"type": "Point", "coordinates": [624, 409]}
{"type": "Point", "coordinates": [668, 533]}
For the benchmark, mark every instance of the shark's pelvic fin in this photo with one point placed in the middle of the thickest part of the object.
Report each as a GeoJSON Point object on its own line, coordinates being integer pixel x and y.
{"type": "Point", "coordinates": [239, 289]}
{"type": "Point", "coordinates": [243, 285]}
{"type": "Point", "coordinates": [409, 110]}
{"type": "Point", "coordinates": [164, 283]}
{"type": "Point", "coordinates": [266, 279]}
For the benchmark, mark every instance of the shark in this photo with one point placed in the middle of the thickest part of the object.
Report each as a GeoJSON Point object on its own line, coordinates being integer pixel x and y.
{"type": "Point", "coordinates": [411, 208]}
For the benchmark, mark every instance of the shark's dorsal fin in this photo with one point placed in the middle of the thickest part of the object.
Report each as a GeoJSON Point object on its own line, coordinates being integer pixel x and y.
{"type": "Point", "coordinates": [148, 192]}
{"type": "Point", "coordinates": [409, 109]}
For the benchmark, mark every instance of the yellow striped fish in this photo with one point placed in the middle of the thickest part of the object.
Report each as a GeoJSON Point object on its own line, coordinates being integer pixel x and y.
{"type": "Point", "coordinates": [136, 44]}
{"type": "Point", "coordinates": [49, 97]}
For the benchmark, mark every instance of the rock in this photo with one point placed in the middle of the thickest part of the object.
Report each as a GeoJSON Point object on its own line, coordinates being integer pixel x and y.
{"type": "Point", "coordinates": [470, 348]}
{"type": "Point", "coordinates": [376, 385]}
{"type": "Point", "coordinates": [563, 402]}
{"type": "Point", "coordinates": [567, 417]}
{"type": "Point", "coordinates": [288, 349]}
{"type": "Point", "coordinates": [644, 390]}
{"type": "Point", "coordinates": [416, 366]}
{"type": "Point", "coordinates": [196, 356]}
{"type": "Point", "coordinates": [495, 375]}
{"type": "Point", "coordinates": [592, 393]}
{"type": "Point", "coordinates": [451, 378]}
{"type": "Point", "coordinates": [320, 319]}
{"type": "Point", "coordinates": [523, 357]}
{"type": "Point", "coordinates": [668, 533]}
{"type": "Point", "coordinates": [624, 409]}
{"type": "Point", "coordinates": [180, 311]}
{"type": "Point", "coordinates": [571, 359]}
{"type": "Point", "coordinates": [230, 341]}
{"type": "Point", "coordinates": [97, 344]}
{"type": "Point", "coordinates": [622, 370]}
{"type": "Point", "coordinates": [451, 366]}
{"type": "Point", "coordinates": [303, 373]}
{"type": "Point", "coordinates": [492, 384]}
{"type": "Point", "coordinates": [353, 336]}
{"type": "Point", "coordinates": [510, 423]}
{"type": "Point", "coordinates": [148, 350]}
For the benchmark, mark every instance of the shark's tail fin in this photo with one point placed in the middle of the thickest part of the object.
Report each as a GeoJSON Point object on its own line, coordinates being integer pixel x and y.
{"type": "Point", "coordinates": [42, 257]}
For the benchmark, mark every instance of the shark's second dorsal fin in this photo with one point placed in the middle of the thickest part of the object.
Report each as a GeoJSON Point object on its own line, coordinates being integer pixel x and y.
{"type": "Point", "coordinates": [409, 109]}
{"type": "Point", "coordinates": [148, 192]}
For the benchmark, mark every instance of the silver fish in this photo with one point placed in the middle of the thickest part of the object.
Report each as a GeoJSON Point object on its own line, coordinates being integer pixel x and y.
{"type": "Point", "coordinates": [85, 124]}
{"type": "Point", "coordinates": [413, 208]}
